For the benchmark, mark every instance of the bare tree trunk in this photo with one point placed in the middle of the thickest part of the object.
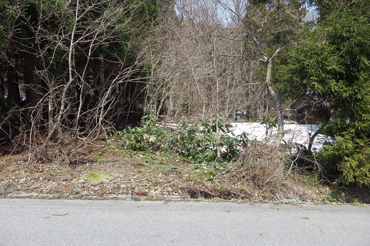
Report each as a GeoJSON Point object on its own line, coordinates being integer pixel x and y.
{"type": "Point", "coordinates": [70, 65]}
{"type": "Point", "coordinates": [217, 99]}
{"type": "Point", "coordinates": [312, 138]}
{"type": "Point", "coordinates": [275, 97]}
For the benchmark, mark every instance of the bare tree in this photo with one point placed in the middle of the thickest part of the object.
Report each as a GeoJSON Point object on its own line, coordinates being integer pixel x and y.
{"type": "Point", "coordinates": [270, 26]}
{"type": "Point", "coordinates": [197, 67]}
{"type": "Point", "coordinates": [95, 25]}
{"type": "Point", "coordinates": [79, 66]}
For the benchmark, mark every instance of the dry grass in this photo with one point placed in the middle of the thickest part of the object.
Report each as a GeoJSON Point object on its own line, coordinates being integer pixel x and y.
{"type": "Point", "coordinates": [257, 175]}
{"type": "Point", "coordinates": [261, 164]}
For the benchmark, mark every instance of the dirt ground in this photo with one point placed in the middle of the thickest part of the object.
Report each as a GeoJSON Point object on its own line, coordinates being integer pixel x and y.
{"type": "Point", "coordinates": [98, 170]}
{"type": "Point", "coordinates": [104, 170]}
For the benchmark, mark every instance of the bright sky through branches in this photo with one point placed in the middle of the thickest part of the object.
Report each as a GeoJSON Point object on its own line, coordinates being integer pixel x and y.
{"type": "Point", "coordinates": [226, 12]}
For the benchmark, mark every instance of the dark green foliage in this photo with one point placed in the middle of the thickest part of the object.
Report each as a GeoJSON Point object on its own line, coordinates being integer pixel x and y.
{"type": "Point", "coordinates": [349, 158]}
{"type": "Point", "coordinates": [273, 23]}
{"type": "Point", "coordinates": [7, 16]}
{"type": "Point", "coordinates": [201, 144]}
{"type": "Point", "coordinates": [329, 8]}
{"type": "Point", "coordinates": [10, 117]}
{"type": "Point", "coordinates": [333, 63]}
{"type": "Point", "coordinates": [146, 137]}
{"type": "Point", "coordinates": [198, 143]}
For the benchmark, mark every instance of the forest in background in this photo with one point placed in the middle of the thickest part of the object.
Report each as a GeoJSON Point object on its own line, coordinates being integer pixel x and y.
{"type": "Point", "coordinates": [72, 70]}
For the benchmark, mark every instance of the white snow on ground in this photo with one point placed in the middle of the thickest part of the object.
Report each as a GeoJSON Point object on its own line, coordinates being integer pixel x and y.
{"type": "Point", "coordinates": [294, 133]}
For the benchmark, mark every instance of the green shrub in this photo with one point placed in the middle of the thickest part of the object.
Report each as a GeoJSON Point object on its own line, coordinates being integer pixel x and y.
{"type": "Point", "coordinates": [348, 160]}
{"type": "Point", "coordinates": [198, 143]}
{"type": "Point", "coordinates": [201, 143]}
{"type": "Point", "coordinates": [146, 136]}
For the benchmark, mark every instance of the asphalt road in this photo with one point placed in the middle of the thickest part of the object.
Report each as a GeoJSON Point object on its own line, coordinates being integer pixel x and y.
{"type": "Point", "coordinates": [75, 222]}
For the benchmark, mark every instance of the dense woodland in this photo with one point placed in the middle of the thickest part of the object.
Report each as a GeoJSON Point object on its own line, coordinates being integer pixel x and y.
{"type": "Point", "coordinates": [71, 69]}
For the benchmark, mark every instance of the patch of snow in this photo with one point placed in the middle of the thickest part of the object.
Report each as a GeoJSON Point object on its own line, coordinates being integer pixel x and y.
{"type": "Point", "coordinates": [294, 133]}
